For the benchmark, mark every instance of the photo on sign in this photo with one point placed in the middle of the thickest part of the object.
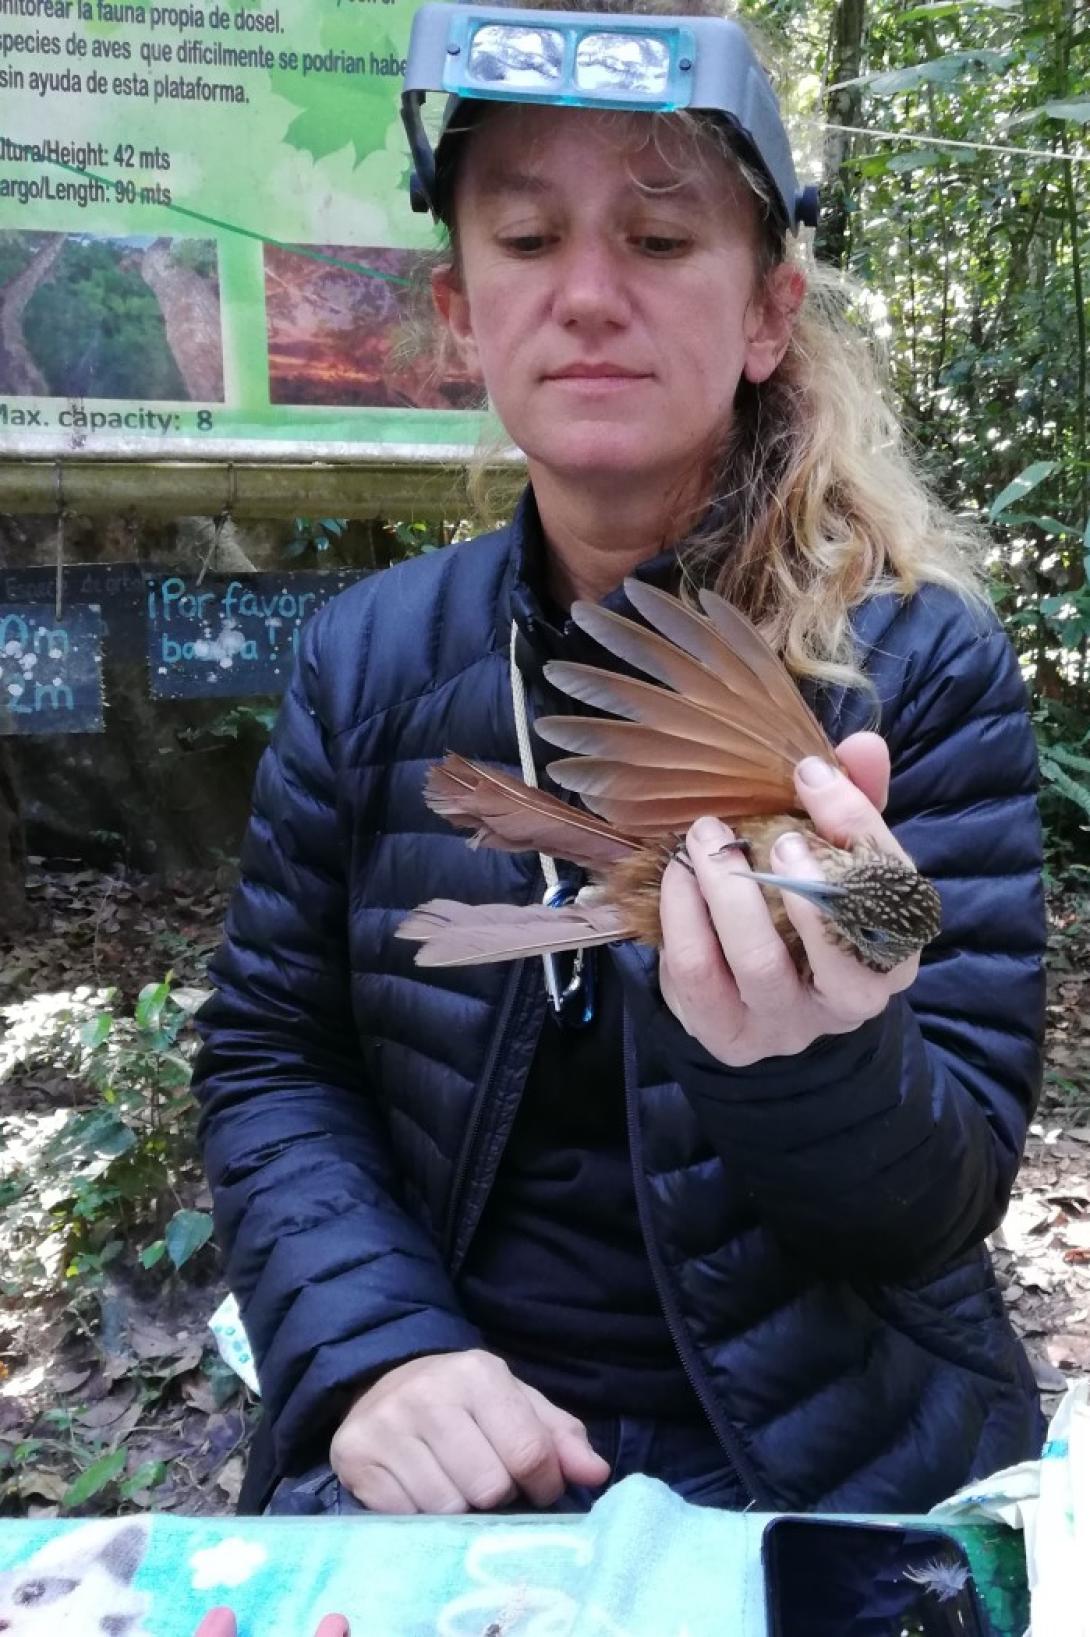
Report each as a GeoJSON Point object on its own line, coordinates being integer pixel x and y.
{"type": "Point", "coordinates": [340, 332]}
{"type": "Point", "coordinates": [83, 316]}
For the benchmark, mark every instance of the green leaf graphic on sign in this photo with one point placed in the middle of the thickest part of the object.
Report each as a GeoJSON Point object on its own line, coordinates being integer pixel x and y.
{"type": "Point", "coordinates": [339, 106]}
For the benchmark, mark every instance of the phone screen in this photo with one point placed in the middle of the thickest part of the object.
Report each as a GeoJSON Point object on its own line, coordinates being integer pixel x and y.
{"type": "Point", "coordinates": [824, 1578]}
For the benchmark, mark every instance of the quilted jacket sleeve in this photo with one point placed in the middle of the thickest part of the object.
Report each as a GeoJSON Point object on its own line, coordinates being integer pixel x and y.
{"type": "Point", "coordinates": [336, 1282]}
{"type": "Point", "coordinates": [886, 1152]}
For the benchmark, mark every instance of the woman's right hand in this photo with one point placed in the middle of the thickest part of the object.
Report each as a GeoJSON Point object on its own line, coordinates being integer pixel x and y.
{"type": "Point", "coordinates": [457, 1432]}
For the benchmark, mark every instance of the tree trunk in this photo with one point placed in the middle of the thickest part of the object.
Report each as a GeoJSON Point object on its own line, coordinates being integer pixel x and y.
{"type": "Point", "coordinates": [842, 107]}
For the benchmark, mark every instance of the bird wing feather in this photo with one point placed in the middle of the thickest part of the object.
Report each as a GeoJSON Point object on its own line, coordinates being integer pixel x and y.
{"type": "Point", "coordinates": [672, 813]}
{"type": "Point", "coordinates": [743, 735]}
{"type": "Point", "coordinates": [453, 934]}
{"type": "Point", "coordinates": [720, 729]}
{"type": "Point", "coordinates": [633, 742]}
{"type": "Point", "coordinates": [728, 689]}
{"type": "Point", "coordinates": [731, 648]}
{"type": "Point", "coordinates": [598, 778]}
{"type": "Point", "coordinates": [515, 818]}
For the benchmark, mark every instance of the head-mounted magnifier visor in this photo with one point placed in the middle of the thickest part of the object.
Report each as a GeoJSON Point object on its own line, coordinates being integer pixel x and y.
{"type": "Point", "coordinates": [595, 60]}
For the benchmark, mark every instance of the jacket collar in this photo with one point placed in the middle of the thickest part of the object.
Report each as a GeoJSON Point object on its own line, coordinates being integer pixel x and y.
{"type": "Point", "coordinates": [545, 632]}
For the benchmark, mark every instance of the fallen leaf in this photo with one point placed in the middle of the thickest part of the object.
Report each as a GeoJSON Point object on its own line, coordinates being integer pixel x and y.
{"type": "Point", "coordinates": [68, 1380]}
{"type": "Point", "coordinates": [150, 1340]}
{"type": "Point", "coordinates": [1074, 1351]}
{"type": "Point", "coordinates": [1047, 1377]}
{"type": "Point", "coordinates": [109, 1409]}
{"type": "Point", "coordinates": [49, 1485]}
{"type": "Point", "coordinates": [229, 1478]}
{"type": "Point", "coordinates": [200, 1395]}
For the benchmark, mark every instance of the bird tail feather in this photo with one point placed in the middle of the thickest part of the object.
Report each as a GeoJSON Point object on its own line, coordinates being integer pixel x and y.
{"type": "Point", "coordinates": [453, 934]}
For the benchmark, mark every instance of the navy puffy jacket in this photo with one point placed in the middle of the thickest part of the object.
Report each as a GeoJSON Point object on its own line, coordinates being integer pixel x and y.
{"type": "Point", "coordinates": [814, 1223]}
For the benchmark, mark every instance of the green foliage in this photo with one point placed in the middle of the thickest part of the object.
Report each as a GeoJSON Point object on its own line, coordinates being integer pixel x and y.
{"type": "Point", "coordinates": [1051, 629]}
{"type": "Point", "coordinates": [417, 539]}
{"type": "Point", "coordinates": [16, 253]}
{"type": "Point", "coordinates": [92, 1183]}
{"type": "Point", "coordinates": [314, 534]}
{"type": "Point", "coordinates": [101, 1472]}
{"type": "Point", "coordinates": [976, 262]}
{"type": "Point", "coordinates": [95, 329]}
{"type": "Point", "coordinates": [249, 721]}
{"type": "Point", "coordinates": [198, 256]}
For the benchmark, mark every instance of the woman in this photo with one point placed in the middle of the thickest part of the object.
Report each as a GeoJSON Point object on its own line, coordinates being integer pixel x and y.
{"type": "Point", "coordinates": [729, 1233]}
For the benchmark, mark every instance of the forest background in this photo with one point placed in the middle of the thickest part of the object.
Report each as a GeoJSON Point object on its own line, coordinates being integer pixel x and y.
{"type": "Point", "coordinates": [973, 261]}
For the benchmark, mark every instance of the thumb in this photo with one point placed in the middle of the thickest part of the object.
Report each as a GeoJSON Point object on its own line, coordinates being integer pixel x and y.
{"type": "Point", "coordinates": [865, 759]}
{"type": "Point", "coordinates": [580, 1462]}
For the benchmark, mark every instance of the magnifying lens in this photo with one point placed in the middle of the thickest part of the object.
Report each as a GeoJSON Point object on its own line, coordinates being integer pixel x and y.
{"type": "Point", "coordinates": [594, 60]}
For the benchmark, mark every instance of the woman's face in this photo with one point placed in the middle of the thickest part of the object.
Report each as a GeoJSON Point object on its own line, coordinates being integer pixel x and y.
{"type": "Point", "coordinates": [607, 291]}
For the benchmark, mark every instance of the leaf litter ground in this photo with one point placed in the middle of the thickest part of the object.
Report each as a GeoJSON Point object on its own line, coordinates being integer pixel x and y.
{"type": "Point", "coordinates": [112, 1395]}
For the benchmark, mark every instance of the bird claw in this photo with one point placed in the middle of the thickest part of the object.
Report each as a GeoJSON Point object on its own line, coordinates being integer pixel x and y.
{"type": "Point", "coordinates": [738, 845]}
{"type": "Point", "coordinates": [678, 855]}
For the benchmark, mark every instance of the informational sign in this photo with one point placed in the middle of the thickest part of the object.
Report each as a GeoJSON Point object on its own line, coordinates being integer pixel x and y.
{"type": "Point", "coordinates": [50, 669]}
{"type": "Point", "coordinates": [206, 244]}
{"type": "Point", "coordinates": [230, 638]}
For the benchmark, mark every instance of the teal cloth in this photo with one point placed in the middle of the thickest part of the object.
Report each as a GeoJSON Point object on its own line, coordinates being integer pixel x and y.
{"type": "Point", "coordinates": [642, 1563]}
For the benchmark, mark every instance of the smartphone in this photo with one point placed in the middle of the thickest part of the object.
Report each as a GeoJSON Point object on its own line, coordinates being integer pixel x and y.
{"type": "Point", "coordinates": [827, 1577]}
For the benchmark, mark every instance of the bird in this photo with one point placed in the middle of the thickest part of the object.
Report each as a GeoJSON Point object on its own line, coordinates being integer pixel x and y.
{"type": "Point", "coordinates": [714, 725]}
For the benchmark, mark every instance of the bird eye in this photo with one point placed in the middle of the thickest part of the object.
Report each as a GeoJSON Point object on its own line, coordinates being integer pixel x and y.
{"type": "Point", "coordinates": [874, 934]}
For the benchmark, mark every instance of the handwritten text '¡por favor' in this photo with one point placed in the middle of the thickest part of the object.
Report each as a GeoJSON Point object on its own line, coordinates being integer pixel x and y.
{"type": "Point", "coordinates": [172, 599]}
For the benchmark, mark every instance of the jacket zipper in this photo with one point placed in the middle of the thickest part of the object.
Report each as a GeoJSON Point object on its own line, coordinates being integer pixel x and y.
{"type": "Point", "coordinates": [456, 1240]}
{"type": "Point", "coordinates": [674, 1323]}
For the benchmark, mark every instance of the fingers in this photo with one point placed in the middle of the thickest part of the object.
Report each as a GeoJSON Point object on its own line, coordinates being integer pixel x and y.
{"type": "Point", "coordinates": [524, 1445]}
{"type": "Point", "coordinates": [693, 975]}
{"type": "Point", "coordinates": [217, 1623]}
{"type": "Point", "coordinates": [457, 1431]}
{"type": "Point", "coordinates": [759, 963]}
{"type": "Point", "coordinates": [221, 1623]}
{"type": "Point", "coordinates": [840, 810]}
{"type": "Point", "coordinates": [472, 1465]}
{"type": "Point", "coordinates": [865, 759]}
{"type": "Point", "coordinates": [379, 1489]}
{"type": "Point", "coordinates": [580, 1462]}
{"type": "Point", "coordinates": [449, 1474]}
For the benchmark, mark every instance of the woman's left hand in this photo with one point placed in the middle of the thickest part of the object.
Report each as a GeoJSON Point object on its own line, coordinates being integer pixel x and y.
{"type": "Point", "coordinates": [725, 972]}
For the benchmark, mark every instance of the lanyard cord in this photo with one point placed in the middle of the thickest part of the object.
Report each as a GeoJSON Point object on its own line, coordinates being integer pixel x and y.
{"type": "Point", "coordinates": [526, 757]}
{"type": "Point", "coordinates": [548, 863]}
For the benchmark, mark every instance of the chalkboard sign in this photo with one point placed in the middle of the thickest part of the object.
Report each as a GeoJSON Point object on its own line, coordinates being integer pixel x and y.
{"type": "Point", "coordinates": [50, 669]}
{"type": "Point", "coordinates": [228, 638]}
{"type": "Point", "coordinates": [117, 590]}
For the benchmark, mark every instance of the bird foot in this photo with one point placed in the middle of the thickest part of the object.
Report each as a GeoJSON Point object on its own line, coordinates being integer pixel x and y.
{"type": "Point", "coordinates": [739, 845]}
{"type": "Point", "coordinates": [680, 856]}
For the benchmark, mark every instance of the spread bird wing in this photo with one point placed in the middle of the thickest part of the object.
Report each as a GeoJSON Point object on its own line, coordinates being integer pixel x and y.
{"type": "Point", "coordinates": [735, 650]}
{"type": "Point", "coordinates": [510, 815]}
{"type": "Point", "coordinates": [720, 729]}
{"type": "Point", "coordinates": [453, 934]}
